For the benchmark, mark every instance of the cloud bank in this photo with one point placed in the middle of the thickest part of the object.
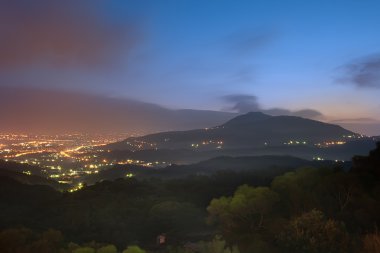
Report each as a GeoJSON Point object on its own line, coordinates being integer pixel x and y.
{"type": "Point", "coordinates": [242, 103]}
{"type": "Point", "coordinates": [32, 110]}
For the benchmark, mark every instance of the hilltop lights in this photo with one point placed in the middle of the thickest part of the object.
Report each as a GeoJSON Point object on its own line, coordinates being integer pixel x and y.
{"type": "Point", "coordinates": [217, 144]}
{"type": "Point", "coordinates": [129, 175]}
{"type": "Point", "coordinates": [296, 142]}
{"type": "Point", "coordinates": [331, 143]}
{"type": "Point", "coordinates": [77, 188]}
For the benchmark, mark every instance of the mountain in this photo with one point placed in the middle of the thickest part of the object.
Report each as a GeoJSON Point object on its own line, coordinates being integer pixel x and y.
{"type": "Point", "coordinates": [254, 129]}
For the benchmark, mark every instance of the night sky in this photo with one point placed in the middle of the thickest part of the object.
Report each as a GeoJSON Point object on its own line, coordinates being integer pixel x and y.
{"type": "Point", "coordinates": [274, 56]}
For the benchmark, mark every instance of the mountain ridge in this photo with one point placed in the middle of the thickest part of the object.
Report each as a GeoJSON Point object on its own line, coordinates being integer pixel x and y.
{"type": "Point", "coordinates": [254, 129]}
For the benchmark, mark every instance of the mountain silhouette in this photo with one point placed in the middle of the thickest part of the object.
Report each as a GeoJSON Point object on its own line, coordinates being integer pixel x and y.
{"type": "Point", "coordinates": [254, 129]}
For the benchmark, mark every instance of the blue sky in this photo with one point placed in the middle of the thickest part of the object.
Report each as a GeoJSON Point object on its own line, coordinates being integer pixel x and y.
{"type": "Point", "coordinates": [320, 55]}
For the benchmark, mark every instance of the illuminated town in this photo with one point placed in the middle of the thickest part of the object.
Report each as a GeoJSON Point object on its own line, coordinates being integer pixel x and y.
{"type": "Point", "coordinates": [62, 157]}
{"type": "Point", "coordinates": [68, 157]}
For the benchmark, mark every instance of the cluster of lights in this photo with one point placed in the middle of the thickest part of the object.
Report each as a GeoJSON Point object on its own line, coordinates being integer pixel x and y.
{"type": "Point", "coordinates": [76, 188]}
{"type": "Point", "coordinates": [138, 144]}
{"type": "Point", "coordinates": [219, 144]}
{"type": "Point", "coordinates": [129, 175]}
{"type": "Point", "coordinates": [211, 128]}
{"type": "Point", "coordinates": [330, 143]}
{"type": "Point", "coordinates": [295, 142]}
{"type": "Point", "coordinates": [142, 163]}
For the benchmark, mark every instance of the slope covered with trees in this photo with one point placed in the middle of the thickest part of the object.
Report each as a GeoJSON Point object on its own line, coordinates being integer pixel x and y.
{"type": "Point", "coordinates": [305, 210]}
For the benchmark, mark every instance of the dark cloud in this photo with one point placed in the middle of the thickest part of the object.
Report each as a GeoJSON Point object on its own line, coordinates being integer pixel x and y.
{"type": "Point", "coordinates": [247, 103]}
{"type": "Point", "coordinates": [61, 33]}
{"type": "Point", "coordinates": [363, 73]}
{"type": "Point", "coordinates": [242, 103]}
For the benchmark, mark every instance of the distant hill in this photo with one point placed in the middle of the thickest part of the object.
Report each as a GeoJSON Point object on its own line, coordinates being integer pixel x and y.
{"type": "Point", "coordinates": [256, 162]}
{"type": "Point", "coordinates": [253, 129]}
{"type": "Point", "coordinates": [18, 172]}
{"type": "Point", "coordinates": [20, 167]}
{"type": "Point", "coordinates": [263, 165]}
{"type": "Point", "coordinates": [187, 156]}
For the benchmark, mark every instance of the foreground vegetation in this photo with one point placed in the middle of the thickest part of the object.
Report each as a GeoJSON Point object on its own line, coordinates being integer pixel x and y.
{"type": "Point", "coordinates": [312, 210]}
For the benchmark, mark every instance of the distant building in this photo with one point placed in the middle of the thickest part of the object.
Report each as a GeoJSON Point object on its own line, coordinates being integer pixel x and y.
{"type": "Point", "coordinates": [161, 239]}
